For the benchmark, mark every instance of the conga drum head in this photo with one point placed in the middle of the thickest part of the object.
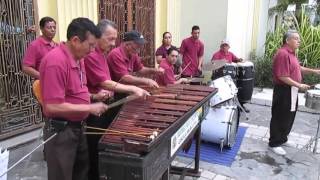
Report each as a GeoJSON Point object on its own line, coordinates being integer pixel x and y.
{"type": "Point", "coordinates": [245, 70]}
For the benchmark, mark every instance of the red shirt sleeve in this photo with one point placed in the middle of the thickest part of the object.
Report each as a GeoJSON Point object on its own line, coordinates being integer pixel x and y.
{"type": "Point", "coordinates": [30, 56]}
{"type": "Point", "coordinates": [281, 64]}
{"type": "Point", "coordinates": [215, 56]}
{"type": "Point", "coordinates": [96, 72]}
{"type": "Point", "coordinates": [201, 50]}
{"type": "Point", "coordinates": [137, 65]}
{"type": "Point", "coordinates": [53, 83]}
{"type": "Point", "coordinates": [183, 47]}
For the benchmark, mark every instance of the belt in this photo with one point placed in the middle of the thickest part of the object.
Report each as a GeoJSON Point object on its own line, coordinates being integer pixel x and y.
{"type": "Point", "coordinates": [72, 124]}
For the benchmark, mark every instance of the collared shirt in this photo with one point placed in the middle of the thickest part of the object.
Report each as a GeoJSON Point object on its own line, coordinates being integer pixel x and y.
{"type": "Point", "coordinates": [168, 76]}
{"type": "Point", "coordinates": [120, 64]}
{"type": "Point", "coordinates": [36, 51]}
{"type": "Point", "coordinates": [191, 50]}
{"type": "Point", "coordinates": [63, 80]}
{"type": "Point", "coordinates": [162, 51]}
{"type": "Point", "coordinates": [229, 56]}
{"type": "Point", "coordinates": [97, 70]}
{"type": "Point", "coordinates": [286, 64]}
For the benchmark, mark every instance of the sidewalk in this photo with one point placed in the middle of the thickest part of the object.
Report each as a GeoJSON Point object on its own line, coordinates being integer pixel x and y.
{"type": "Point", "coordinates": [264, 97]}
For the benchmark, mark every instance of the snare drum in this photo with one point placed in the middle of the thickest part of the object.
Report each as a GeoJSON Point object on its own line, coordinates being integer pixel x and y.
{"type": "Point", "coordinates": [226, 90]}
{"type": "Point", "coordinates": [221, 125]}
{"type": "Point", "coordinates": [227, 69]}
{"type": "Point", "coordinates": [313, 99]}
{"type": "Point", "coordinates": [245, 81]}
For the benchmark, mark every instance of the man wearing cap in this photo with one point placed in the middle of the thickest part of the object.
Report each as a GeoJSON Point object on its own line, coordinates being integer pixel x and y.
{"type": "Point", "coordinates": [192, 50]}
{"type": "Point", "coordinates": [124, 61]}
{"type": "Point", "coordinates": [225, 54]}
{"type": "Point", "coordinates": [39, 47]}
{"type": "Point", "coordinates": [66, 102]}
{"type": "Point", "coordinates": [102, 87]}
{"type": "Point", "coordinates": [168, 65]}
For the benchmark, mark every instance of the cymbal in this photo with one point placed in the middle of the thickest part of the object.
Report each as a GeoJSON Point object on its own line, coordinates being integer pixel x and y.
{"type": "Point", "coordinates": [214, 65]}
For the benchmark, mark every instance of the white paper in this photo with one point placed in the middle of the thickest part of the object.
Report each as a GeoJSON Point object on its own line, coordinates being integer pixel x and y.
{"type": "Point", "coordinates": [294, 98]}
{"type": "Point", "coordinates": [4, 159]}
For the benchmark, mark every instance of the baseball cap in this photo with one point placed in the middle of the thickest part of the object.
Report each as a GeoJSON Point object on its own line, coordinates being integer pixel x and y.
{"type": "Point", "coordinates": [225, 41]}
{"type": "Point", "coordinates": [134, 36]}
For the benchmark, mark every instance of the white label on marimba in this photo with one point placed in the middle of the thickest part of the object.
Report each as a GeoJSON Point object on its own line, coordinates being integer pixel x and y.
{"type": "Point", "coordinates": [181, 135]}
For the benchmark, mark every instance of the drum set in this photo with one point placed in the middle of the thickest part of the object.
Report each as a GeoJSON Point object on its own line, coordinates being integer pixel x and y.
{"type": "Point", "coordinates": [235, 84]}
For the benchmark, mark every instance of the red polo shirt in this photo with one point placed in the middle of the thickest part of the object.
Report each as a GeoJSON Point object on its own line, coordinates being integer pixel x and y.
{"type": "Point", "coordinates": [120, 64]}
{"type": "Point", "coordinates": [97, 70]}
{"type": "Point", "coordinates": [63, 79]}
{"type": "Point", "coordinates": [286, 64]}
{"type": "Point", "coordinates": [36, 51]}
{"type": "Point", "coordinates": [168, 76]}
{"type": "Point", "coordinates": [229, 56]}
{"type": "Point", "coordinates": [191, 50]}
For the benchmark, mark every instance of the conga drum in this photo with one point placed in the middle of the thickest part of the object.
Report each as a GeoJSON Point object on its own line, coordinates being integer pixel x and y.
{"type": "Point", "coordinates": [245, 81]}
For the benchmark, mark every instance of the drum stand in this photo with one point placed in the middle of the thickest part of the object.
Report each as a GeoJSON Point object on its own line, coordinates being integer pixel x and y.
{"type": "Point", "coordinates": [313, 139]}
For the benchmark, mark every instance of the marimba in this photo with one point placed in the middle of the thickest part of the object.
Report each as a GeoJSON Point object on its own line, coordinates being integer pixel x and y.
{"type": "Point", "coordinates": [146, 135]}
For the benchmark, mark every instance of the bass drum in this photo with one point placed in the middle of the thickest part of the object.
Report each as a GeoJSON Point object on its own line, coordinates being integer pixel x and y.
{"type": "Point", "coordinates": [221, 125]}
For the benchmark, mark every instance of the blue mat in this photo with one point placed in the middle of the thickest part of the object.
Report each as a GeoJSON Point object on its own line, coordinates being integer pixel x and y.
{"type": "Point", "coordinates": [211, 153]}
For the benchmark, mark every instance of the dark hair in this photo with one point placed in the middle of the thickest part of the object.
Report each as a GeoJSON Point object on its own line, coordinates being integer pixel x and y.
{"type": "Point", "coordinates": [80, 27]}
{"type": "Point", "coordinates": [288, 35]}
{"type": "Point", "coordinates": [104, 24]}
{"type": "Point", "coordinates": [195, 27]}
{"type": "Point", "coordinates": [45, 20]}
{"type": "Point", "coordinates": [165, 34]}
{"type": "Point", "coordinates": [169, 51]}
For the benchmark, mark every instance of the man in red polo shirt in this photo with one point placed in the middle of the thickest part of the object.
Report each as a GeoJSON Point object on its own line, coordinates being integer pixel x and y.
{"type": "Point", "coordinates": [224, 53]}
{"type": "Point", "coordinates": [192, 50]}
{"type": "Point", "coordinates": [168, 65]}
{"type": "Point", "coordinates": [39, 47]}
{"type": "Point", "coordinates": [124, 61]}
{"type": "Point", "coordinates": [99, 82]}
{"type": "Point", "coordinates": [287, 80]}
{"type": "Point", "coordinates": [66, 102]}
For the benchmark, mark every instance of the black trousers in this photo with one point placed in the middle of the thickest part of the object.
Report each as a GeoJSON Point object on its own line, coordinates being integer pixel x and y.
{"type": "Point", "coordinates": [281, 117]}
{"type": "Point", "coordinates": [67, 154]}
{"type": "Point", "coordinates": [100, 122]}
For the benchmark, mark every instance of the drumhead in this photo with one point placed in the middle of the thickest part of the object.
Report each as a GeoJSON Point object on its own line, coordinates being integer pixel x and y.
{"type": "Point", "coordinates": [314, 92]}
{"type": "Point", "coordinates": [317, 86]}
{"type": "Point", "coordinates": [231, 64]}
{"type": "Point", "coordinates": [245, 64]}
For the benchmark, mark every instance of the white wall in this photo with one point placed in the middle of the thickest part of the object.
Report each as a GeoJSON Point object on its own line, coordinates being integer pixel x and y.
{"type": "Point", "coordinates": [262, 27]}
{"type": "Point", "coordinates": [211, 16]}
{"type": "Point", "coordinates": [240, 26]}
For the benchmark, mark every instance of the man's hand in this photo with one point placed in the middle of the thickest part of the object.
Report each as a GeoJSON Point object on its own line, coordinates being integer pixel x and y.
{"type": "Point", "coordinates": [160, 70]}
{"type": "Point", "coordinates": [304, 87]}
{"type": "Point", "coordinates": [185, 80]}
{"type": "Point", "coordinates": [317, 71]}
{"type": "Point", "coordinates": [140, 92]}
{"type": "Point", "coordinates": [240, 59]}
{"type": "Point", "coordinates": [98, 108]}
{"type": "Point", "coordinates": [152, 83]}
{"type": "Point", "coordinates": [101, 95]}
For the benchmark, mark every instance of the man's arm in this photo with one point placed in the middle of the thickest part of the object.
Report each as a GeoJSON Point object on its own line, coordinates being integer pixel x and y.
{"type": "Point", "coordinates": [65, 108]}
{"type": "Point", "coordinates": [147, 71]}
{"type": "Point", "coordinates": [200, 63]}
{"type": "Point", "coordinates": [129, 79]}
{"type": "Point", "coordinates": [291, 82]}
{"type": "Point", "coordinates": [306, 70]}
{"type": "Point", "coordinates": [31, 71]}
{"type": "Point", "coordinates": [118, 87]}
